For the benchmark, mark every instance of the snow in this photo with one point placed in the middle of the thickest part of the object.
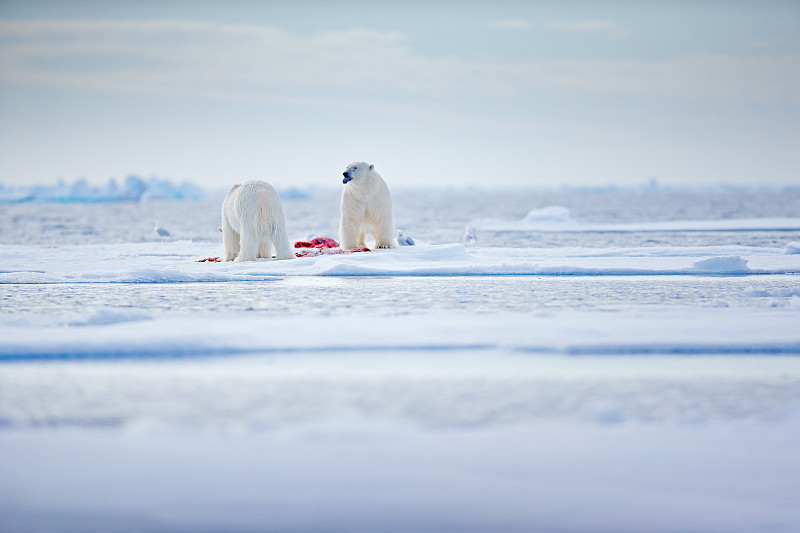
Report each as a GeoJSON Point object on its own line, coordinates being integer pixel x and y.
{"type": "Point", "coordinates": [555, 477]}
{"type": "Point", "coordinates": [110, 334]}
{"type": "Point", "coordinates": [721, 265]}
{"type": "Point", "coordinates": [650, 384]}
{"type": "Point", "coordinates": [559, 219]}
{"type": "Point", "coordinates": [176, 262]}
{"type": "Point", "coordinates": [783, 292]}
{"type": "Point", "coordinates": [107, 316]}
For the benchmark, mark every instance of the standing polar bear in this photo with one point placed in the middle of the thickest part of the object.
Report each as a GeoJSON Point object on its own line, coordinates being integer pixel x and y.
{"type": "Point", "coordinates": [366, 209]}
{"type": "Point", "coordinates": [253, 223]}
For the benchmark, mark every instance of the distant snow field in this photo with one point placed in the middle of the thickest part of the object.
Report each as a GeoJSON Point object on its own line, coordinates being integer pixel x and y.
{"type": "Point", "coordinates": [573, 369]}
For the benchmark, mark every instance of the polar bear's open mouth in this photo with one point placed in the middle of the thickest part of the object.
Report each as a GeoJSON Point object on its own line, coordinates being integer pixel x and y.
{"type": "Point", "coordinates": [346, 177]}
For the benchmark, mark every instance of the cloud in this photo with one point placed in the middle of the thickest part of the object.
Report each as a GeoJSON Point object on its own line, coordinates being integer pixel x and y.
{"type": "Point", "coordinates": [693, 77]}
{"type": "Point", "coordinates": [353, 67]}
{"type": "Point", "coordinates": [220, 60]}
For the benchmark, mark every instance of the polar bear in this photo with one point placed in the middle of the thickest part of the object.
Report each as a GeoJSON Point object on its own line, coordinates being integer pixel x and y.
{"type": "Point", "coordinates": [253, 223]}
{"type": "Point", "coordinates": [366, 209]}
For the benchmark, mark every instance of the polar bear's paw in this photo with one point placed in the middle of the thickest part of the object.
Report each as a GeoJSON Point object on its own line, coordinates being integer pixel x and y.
{"type": "Point", "coordinates": [384, 246]}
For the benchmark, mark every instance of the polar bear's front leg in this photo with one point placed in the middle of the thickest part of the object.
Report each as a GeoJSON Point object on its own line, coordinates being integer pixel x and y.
{"type": "Point", "coordinates": [349, 235]}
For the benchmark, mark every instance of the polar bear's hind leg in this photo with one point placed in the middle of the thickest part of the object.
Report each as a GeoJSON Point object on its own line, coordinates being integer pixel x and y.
{"type": "Point", "coordinates": [249, 245]}
{"type": "Point", "coordinates": [384, 235]}
{"type": "Point", "coordinates": [265, 247]}
{"type": "Point", "coordinates": [280, 239]}
{"type": "Point", "coordinates": [230, 242]}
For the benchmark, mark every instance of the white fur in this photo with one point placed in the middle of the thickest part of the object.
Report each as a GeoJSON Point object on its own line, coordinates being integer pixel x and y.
{"type": "Point", "coordinates": [253, 223]}
{"type": "Point", "coordinates": [366, 209]}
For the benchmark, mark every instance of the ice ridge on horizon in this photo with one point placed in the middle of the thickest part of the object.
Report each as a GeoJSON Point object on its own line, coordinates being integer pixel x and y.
{"type": "Point", "coordinates": [133, 189]}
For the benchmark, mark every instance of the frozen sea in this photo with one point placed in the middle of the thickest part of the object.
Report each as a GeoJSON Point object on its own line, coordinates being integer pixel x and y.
{"type": "Point", "coordinates": [610, 360]}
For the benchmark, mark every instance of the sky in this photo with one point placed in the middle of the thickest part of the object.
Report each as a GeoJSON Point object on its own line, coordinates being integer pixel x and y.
{"type": "Point", "coordinates": [440, 94]}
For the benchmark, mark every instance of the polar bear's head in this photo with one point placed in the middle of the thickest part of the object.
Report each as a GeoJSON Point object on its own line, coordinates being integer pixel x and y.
{"type": "Point", "coordinates": [357, 171]}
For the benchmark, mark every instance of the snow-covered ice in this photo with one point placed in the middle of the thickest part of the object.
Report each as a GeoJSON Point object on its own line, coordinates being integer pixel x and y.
{"type": "Point", "coordinates": [177, 262]}
{"type": "Point", "coordinates": [558, 218]}
{"type": "Point", "coordinates": [111, 333]}
{"type": "Point", "coordinates": [626, 362]}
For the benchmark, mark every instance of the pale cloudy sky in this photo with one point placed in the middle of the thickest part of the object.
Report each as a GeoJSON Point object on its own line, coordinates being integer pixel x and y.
{"type": "Point", "coordinates": [433, 93]}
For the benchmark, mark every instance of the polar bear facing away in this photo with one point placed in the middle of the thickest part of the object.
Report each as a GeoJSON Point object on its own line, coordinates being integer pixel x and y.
{"type": "Point", "coordinates": [366, 209]}
{"type": "Point", "coordinates": [253, 223]}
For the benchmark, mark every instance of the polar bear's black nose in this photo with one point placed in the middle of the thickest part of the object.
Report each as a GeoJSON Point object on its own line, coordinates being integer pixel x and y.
{"type": "Point", "coordinates": [344, 174]}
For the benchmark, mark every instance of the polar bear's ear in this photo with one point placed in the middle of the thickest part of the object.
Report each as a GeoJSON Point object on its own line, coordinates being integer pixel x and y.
{"type": "Point", "coordinates": [372, 167]}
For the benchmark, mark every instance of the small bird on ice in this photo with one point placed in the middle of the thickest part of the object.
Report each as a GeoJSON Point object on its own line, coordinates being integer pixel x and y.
{"type": "Point", "coordinates": [404, 240]}
{"type": "Point", "coordinates": [161, 232]}
{"type": "Point", "coordinates": [470, 239]}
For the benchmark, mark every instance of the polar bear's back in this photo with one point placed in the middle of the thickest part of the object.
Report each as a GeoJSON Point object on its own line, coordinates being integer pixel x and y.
{"type": "Point", "coordinates": [252, 204]}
